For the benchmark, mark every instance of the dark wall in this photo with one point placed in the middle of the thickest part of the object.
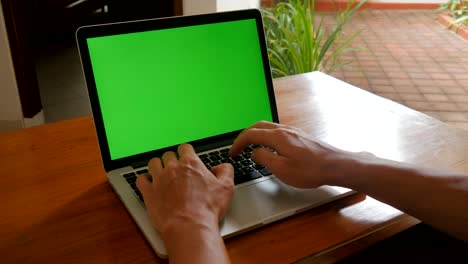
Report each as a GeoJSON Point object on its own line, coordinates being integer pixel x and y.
{"type": "Point", "coordinates": [18, 30]}
{"type": "Point", "coordinates": [53, 16]}
{"type": "Point", "coordinates": [32, 22]}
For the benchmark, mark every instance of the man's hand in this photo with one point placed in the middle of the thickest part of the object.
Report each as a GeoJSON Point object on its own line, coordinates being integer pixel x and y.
{"type": "Point", "coordinates": [297, 160]}
{"type": "Point", "coordinates": [181, 190]}
{"type": "Point", "coordinates": [302, 162]}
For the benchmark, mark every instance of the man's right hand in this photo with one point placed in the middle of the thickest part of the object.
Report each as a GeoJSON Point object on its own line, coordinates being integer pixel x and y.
{"type": "Point", "coordinates": [297, 160]}
{"type": "Point", "coordinates": [305, 163]}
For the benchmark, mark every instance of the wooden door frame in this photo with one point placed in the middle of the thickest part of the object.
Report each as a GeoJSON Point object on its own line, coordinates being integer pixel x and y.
{"type": "Point", "coordinates": [16, 21]}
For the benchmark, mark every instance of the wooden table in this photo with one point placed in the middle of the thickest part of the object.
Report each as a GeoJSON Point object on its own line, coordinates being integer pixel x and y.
{"type": "Point", "coordinates": [57, 206]}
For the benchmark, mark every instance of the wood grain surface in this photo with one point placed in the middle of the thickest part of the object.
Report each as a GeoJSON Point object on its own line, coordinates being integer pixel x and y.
{"type": "Point", "coordinates": [57, 206]}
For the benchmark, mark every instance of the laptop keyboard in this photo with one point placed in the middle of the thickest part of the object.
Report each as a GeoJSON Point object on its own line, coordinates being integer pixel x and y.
{"type": "Point", "coordinates": [131, 177]}
{"type": "Point", "coordinates": [245, 169]}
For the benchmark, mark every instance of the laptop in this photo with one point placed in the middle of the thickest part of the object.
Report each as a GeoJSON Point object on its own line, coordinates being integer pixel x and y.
{"type": "Point", "coordinates": [154, 84]}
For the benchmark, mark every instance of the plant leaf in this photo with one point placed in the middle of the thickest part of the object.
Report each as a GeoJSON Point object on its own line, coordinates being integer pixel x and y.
{"type": "Point", "coordinates": [461, 19]}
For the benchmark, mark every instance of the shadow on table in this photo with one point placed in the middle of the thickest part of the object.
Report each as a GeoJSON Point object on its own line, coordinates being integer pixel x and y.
{"type": "Point", "coordinates": [93, 227]}
{"type": "Point", "coordinates": [419, 244]}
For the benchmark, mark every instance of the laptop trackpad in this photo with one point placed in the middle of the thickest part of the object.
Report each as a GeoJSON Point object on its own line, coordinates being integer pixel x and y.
{"type": "Point", "coordinates": [257, 202]}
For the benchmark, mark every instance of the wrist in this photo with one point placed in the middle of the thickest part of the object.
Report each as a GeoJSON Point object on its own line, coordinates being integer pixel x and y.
{"type": "Point", "coordinates": [358, 168]}
{"type": "Point", "coordinates": [178, 226]}
{"type": "Point", "coordinates": [194, 241]}
{"type": "Point", "coordinates": [351, 168]}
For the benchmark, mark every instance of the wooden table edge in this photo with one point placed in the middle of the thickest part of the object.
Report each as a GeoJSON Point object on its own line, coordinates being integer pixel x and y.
{"type": "Point", "coordinates": [350, 247]}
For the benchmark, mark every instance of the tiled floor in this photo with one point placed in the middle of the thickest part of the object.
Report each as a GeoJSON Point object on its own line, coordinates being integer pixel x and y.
{"type": "Point", "coordinates": [61, 82]}
{"type": "Point", "coordinates": [407, 57]}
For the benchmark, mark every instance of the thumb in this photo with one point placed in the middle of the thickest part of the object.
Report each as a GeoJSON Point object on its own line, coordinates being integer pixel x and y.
{"type": "Point", "coordinates": [223, 171]}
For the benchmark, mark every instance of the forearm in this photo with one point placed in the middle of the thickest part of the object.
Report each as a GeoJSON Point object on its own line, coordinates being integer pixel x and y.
{"type": "Point", "coordinates": [195, 243]}
{"type": "Point", "coordinates": [435, 197]}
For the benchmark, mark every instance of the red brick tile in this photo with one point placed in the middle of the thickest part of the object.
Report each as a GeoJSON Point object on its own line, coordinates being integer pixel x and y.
{"type": "Point", "coordinates": [454, 70]}
{"type": "Point", "coordinates": [369, 89]}
{"type": "Point", "coordinates": [408, 65]}
{"type": "Point", "coordinates": [406, 89]}
{"type": "Point", "coordinates": [407, 55]}
{"type": "Point", "coordinates": [463, 106]}
{"type": "Point", "coordinates": [412, 97]}
{"type": "Point", "coordinates": [419, 106]}
{"type": "Point", "coordinates": [445, 106]}
{"type": "Point", "coordinates": [385, 58]}
{"type": "Point", "coordinates": [419, 75]}
{"type": "Point", "coordinates": [359, 82]}
{"type": "Point", "coordinates": [379, 81]}
{"type": "Point", "coordinates": [375, 75]}
{"type": "Point", "coordinates": [423, 82]}
{"type": "Point", "coordinates": [460, 125]}
{"type": "Point", "coordinates": [449, 65]}
{"type": "Point", "coordinates": [445, 83]}
{"type": "Point", "coordinates": [384, 88]}
{"type": "Point", "coordinates": [458, 98]}
{"type": "Point", "coordinates": [385, 64]}
{"type": "Point", "coordinates": [440, 76]}
{"type": "Point", "coordinates": [413, 69]}
{"type": "Point", "coordinates": [352, 64]}
{"type": "Point", "coordinates": [372, 68]}
{"type": "Point", "coordinates": [433, 69]}
{"type": "Point", "coordinates": [452, 116]}
{"type": "Point", "coordinates": [454, 90]}
{"type": "Point", "coordinates": [424, 59]}
{"type": "Point", "coordinates": [399, 82]}
{"type": "Point", "coordinates": [463, 83]}
{"type": "Point", "coordinates": [436, 97]}
{"type": "Point", "coordinates": [429, 89]}
{"type": "Point", "coordinates": [397, 75]}
{"type": "Point", "coordinates": [337, 74]}
{"type": "Point", "coordinates": [365, 54]}
{"type": "Point", "coordinates": [391, 96]}
{"type": "Point", "coordinates": [353, 74]}
{"type": "Point", "coordinates": [367, 63]}
{"type": "Point", "coordinates": [432, 114]}
{"type": "Point", "coordinates": [388, 69]}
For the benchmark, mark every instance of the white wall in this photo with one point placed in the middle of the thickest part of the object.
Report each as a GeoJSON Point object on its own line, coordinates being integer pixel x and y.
{"type": "Point", "coordinates": [11, 115]}
{"type": "Point", "coordinates": [227, 5]}
{"type": "Point", "coordinates": [409, 1]}
{"type": "Point", "coordinates": [192, 7]}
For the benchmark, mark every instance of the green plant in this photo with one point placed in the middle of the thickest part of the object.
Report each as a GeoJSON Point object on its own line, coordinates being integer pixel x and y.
{"type": "Point", "coordinates": [458, 9]}
{"type": "Point", "coordinates": [297, 43]}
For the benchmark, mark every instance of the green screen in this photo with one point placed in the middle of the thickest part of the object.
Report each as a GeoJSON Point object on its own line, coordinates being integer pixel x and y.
{"type": "Point", "coordinates": [166, 87]}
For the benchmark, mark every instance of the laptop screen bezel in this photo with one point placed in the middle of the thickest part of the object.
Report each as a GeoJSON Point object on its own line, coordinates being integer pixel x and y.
{"type": "Point", "coordinates": [86, 32]}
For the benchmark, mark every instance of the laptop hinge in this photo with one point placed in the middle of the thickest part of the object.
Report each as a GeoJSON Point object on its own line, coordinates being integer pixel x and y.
{"type": "Point", "coordinates": [217, 144]}
{"type": "Point", "coordinates": [198, 149]}
{"type": "Point", "coordinates": [139, 164]}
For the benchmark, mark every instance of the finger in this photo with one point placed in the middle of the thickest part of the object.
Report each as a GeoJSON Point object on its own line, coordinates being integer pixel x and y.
{"type": "Point", "coordinates": [155, 166]}
{"type": "Point", "coordinates": [143, 184]}
{"type": "Point", "coordinates": [223, 171]}
{"type": "Point", "coordinates": [261, 124]}
{"type": "Point", "coordinates": [169, 158]}
{"type": "Point", "coordinates": [186, 151]}
{"type": "Point", "coordinates": [265, 125]}
{"type": "Point", "coordinates": [270, 125]}
{"type": "Point", "coordinates": [256, 136]}
{"type": "Point", "coordinates": [271, 160]}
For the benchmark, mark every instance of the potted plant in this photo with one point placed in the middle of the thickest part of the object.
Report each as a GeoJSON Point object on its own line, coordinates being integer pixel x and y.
{"type": "Point", "coordinates": [298, 40]}
{"type": "Point", "coordinates": [458, 10]}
